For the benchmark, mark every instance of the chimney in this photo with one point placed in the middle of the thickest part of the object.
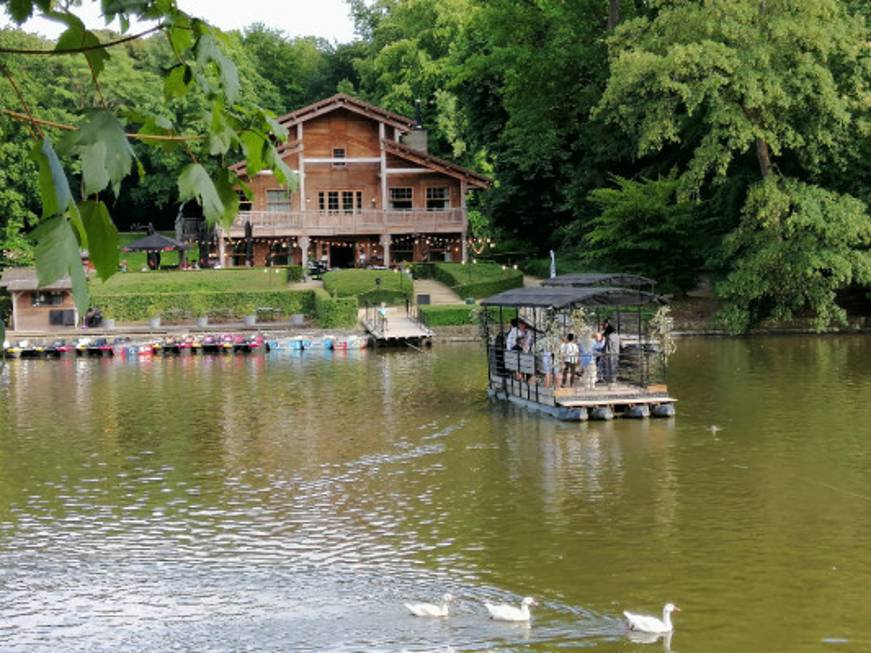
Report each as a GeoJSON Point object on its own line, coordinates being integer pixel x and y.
{"type": "Point", "coordinates": [417, 138]}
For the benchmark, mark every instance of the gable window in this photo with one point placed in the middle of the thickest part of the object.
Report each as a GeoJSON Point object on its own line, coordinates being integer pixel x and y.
{"type": "Point", "coordinates": [400, 199]}
{"type": "Point", "coordinates": [277, 201]}
{"type": "Point", "coordinates": [339, 153]}
{"type": "Point", "coordinates": [244, 203]}
{"type": "Point", "coordinates": [438, 198]}
{"type": "Point", "coordinates": [344, 201]}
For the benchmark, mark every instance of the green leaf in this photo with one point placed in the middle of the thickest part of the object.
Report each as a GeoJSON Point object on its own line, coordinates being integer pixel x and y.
{"type": "Point", "coordinates": [254, 145]}
{"type": "Point", "coordinates": [194, 183]}
{"type": "Point", "coordinates": [112, 159]}
{"type": "Point", "coordinates": [103, 242]}
{"type": "Point", "coordinates": [20, 11]}
{"type": "Point", "coordinates": [220, 132]}
{"type": "Point", "coordinates": [94, 173]}
{"type": "Point", "coordinates": [208, 51]}
{"type": "Point", "coordinates": [229, 197]}
{"type": "Point", "coordinates": [54, 189]}
{"type": "Point", "coordinates": [283, 174]}
{"type": "Point", "coordinates": [180, 35]}
{"type": "Point", "coordinates": [177, 81]}
{"type": "Point", "coordinates": [58, 255]}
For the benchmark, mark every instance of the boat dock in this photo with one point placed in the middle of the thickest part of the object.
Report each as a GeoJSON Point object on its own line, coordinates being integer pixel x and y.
{"type": "Point", "coordinates": [395, 329]}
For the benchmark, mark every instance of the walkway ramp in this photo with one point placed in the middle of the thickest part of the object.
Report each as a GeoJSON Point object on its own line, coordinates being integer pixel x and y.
{"type": "Point", "coordinates": [438, 292]}
{"type": "Point", "coordinates": [396, 330]}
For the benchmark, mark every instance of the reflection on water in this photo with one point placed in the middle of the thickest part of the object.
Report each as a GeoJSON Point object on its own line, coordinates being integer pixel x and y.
{"type": "Point", "coordinates": [295, 502]}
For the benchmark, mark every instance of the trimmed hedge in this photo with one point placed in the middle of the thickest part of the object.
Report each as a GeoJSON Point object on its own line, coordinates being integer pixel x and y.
{"type": "Point", "coordinates": [294, 273]}
{"type": "Point", "coordinates": [334, 312]}
{"type": "Point", "coordinates": [458, 314]}
{"type": "Point", "coordinates": [173, 281]}
{"type": "Point", "coordinates": [477, 279]}
{"type": "Point", "coordinates": [220, 305]}
{"type": "Point", "coordinates": [391, 297]}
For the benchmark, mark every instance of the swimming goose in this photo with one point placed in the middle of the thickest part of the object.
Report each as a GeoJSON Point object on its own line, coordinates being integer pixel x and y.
{"type": "Point", "coordinates": [646, 624]}
{"type": "Point", "coordinates": [509, 612]}
{"type": "Point", "coordinates": [430, 609]}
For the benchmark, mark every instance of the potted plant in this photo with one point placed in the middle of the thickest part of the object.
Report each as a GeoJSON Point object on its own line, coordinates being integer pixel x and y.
{"type": "Point", "coordinates": [108, 319]}
{"type": "Point", "coordinates": [154, 316]}
{"type": "Point", "coordinates": [249, 314]}
{"type": "Point", "coordinates": [200, 310]}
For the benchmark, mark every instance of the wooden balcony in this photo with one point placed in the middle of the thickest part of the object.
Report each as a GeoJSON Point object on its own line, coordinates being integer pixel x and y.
{"type": "Point", "coordinates": [330, 223]}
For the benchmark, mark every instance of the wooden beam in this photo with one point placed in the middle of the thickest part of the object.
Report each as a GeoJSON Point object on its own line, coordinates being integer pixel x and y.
{"type": "Point", "coordinates": [382, 132]}
{"type": "Point", "coordinates": [409, 171]}
{"type": "Point", "coordinates": [350, 159]}
{"type": "Point", "coordinates": [299, 138]}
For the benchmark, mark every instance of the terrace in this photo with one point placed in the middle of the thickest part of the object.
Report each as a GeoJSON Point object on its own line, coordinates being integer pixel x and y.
{"type": "Point", "coordinates": [366, 221]}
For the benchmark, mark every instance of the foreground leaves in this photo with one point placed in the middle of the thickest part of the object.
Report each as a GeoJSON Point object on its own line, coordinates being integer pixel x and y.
{"type": "Point", "coordinates": [58, 255]}
{"type": "Point", "coordinates": [103, 241]}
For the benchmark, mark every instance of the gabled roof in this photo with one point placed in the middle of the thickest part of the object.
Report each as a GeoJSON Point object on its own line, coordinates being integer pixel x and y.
{"type": "Point", "coordinates": [600, 279]}
{"type": "Point", "coordinates": [18, 279]}
{"type": "Point", "coordinates": [343, 101]}
{"type": "Point", "coordinates": [440, 165]}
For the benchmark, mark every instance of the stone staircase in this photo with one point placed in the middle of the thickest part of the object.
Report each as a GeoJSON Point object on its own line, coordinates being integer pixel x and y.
{"type": "Point", "coordinates": [438, 292]}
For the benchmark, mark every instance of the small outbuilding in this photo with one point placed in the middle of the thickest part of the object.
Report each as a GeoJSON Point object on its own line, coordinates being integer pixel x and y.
{"type": "Point", "coordinates": [39, 308]}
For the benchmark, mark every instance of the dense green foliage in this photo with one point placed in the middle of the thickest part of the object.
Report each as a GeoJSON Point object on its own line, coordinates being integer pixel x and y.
{"type": "Point", "coordinates": [702, 114]}
{"type": "Point", "coordinates": [334, 312]}
{"type": "Point", "coordinates": [170, 281]}
{"type": "Point", "coordinates": [458, 314]}
{"type": "Point", "coordinates": [644, 227]}
{"type": "Point", "coordinates": [369, 286]}
{"type": "Point", "coordinates": [223, 305]}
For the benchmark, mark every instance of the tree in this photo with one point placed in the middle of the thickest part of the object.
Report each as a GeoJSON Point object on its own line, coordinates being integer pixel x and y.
{"type": "Point", "coordinates": [100, 140]}
{"type": "Point", "coordinates": [781, 82]}
{"type": "Point", "coordinates": [796, 246]}
{"type": "Point", "coordinates": [646, 229]}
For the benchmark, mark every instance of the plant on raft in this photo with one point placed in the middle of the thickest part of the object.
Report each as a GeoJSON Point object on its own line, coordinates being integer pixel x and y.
{"type": "Point", "coordinates": [660, 330]}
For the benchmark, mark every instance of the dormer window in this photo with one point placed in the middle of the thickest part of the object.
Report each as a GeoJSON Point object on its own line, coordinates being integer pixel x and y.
{"type": "Point", "coordinates": [338, 153]}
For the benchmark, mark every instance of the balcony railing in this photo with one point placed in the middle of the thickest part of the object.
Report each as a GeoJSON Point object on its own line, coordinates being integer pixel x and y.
{"type": "Point", "coordinates": [266, 223]}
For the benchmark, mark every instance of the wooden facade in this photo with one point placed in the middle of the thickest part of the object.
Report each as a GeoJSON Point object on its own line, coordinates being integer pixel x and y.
{"type": "Point", "coordinates": [368, 193]}
{"type": "Point", "coordinates": [39, 308]}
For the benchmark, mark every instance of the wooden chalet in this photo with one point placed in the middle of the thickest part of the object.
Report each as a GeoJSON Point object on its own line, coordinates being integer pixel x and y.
{"type": "Point", "coordinates": [369, 194]}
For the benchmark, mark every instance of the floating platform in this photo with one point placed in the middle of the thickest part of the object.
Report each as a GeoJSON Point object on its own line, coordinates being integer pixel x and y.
{"type": "Point", "coordinates": [604, 402]}
{"type": "Point", "coordinates": [397, 331]}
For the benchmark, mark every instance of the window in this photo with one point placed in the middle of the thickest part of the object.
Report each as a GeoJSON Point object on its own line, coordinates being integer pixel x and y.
{"type": "Point", "coordinates": [277, 201]}
{"type": "Point", "coordinates": [346, 201]}
{"type": "Point", "coordinates": [400, 199]}
{"type": "Point", "coordinates": [244, 203]}
{"type": "Point", "coordinates": [438, 198]}
{"type": "Point", "coordinates": [42, 298]}
{"type": "Point", "coordinates": [339, 153]}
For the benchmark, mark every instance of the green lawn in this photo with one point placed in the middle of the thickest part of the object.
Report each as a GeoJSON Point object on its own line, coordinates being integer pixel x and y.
{"type": "Point", "coordinates": [191, 281]}
{"type": "Point", "coordinates": [347, 283]}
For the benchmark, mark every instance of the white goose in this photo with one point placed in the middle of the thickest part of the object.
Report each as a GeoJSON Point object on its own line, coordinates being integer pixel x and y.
{"type": "Point", "coordinates": [430, 609]}
{"type": "Point", "coordinates": [646, 624]}
{"type": "Point", "coordinates": [509, 612]}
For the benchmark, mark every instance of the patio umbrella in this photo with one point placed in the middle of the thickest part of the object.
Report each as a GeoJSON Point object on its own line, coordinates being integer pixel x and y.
{"type": "Point", "coordinates": [249, 244]}
{"type": "Point", "coordinates": [152, 243]}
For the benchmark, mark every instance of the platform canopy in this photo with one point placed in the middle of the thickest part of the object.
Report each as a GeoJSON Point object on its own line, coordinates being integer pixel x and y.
{"type": "Point", "coordinates": [570, 296]}
{"type": "Point", "coordinates": [153, 243]}
{"type": "Point", "coordinates": [600, 279]}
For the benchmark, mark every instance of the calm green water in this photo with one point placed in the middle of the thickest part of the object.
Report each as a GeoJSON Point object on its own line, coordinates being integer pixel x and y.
{"type": "Point", "coordinates": [293, 503]}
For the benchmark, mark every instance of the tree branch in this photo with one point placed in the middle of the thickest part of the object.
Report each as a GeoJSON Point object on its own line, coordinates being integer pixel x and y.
{"type": "Point", "coordinates": [71, 128]}
{"type": "Point", "coordinates": [87, 48]}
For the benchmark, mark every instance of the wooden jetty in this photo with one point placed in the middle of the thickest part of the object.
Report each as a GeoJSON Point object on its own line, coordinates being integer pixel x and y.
{"type": "Point", "coordinates": [395, 330]}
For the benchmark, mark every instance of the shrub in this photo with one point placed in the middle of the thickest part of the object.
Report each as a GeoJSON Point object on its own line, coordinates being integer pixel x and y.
{"type": "Point", "coordinates": [459, 314]}
{"type": "Point", "coordinates": [170, 281]}
{"type": "Point", "coordinates": [220, 305]}
{"type": "Point", "coordinates": [294, 273]}
{"type": "Point", "coordinates": [334, 312]}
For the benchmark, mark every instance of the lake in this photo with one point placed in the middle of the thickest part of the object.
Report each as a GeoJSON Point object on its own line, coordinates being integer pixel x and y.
{"type": "Point", "coordinates": [294, 503]}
